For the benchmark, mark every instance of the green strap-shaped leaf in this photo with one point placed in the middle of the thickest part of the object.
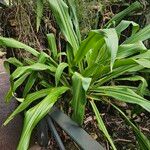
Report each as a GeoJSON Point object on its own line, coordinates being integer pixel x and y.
{"type": "Point", "coordinates": [39, 13]}
{"type": "Point", "coordinates": [79, 87]}
{"type": "Point", "coordinates": [15, 85]}
{"type": "Point", "coordinates": [73, 14]}
{"type": "Point", "coordinates": [96, 54]}
{"type": "Point", "coordinates": [125, 24]}
{"type": "Point", "coordinates": [21, 71]}
{"type": "Point", "coordinates": [90, 71]}
{"type": "Point", "coordinates": [36, 113]}
{"type": "Point", "coordinates": [18, 82]}
{"type": "Point", "coordinates": [126, 50]}
{"type": "Point", "coordinates": [9, 42]}
{"type": "Point", "coordinates": [142, 87]}
{"type": "Point", "coordinates": [145, 55]}
{"type": "Point", "coordinates": [59, 72]}
{"type": "Point", "coordinates": [120, 67]}
{"type": "Point", "coordinates": [29, 61]}
{"type": "Point", "coordinates": [33, 76]}
{"type": "Point", "coordinates": [101, 124]}
{"type": "Point", "coordinates": [118, 17]}
{"type": "Point", "coordinates": [123, 94]}
{"type": "Point", "coordinates": [60, 11]}
{"type": "Point", "coordinates": [116, 72]}
{"type": "Point", "coordinates": [143, 62]}
{"type": "Point", "coordinates": [30, 82]}
{"type": "Point", "coordinates": [27, 101]}
{"type": "Point", "coordinates": [61, 54]}
{"type": "Point", "coordinates": [52, 45]}
{"type": "Point", "coordinates": [14, 61]}
{"type": "Point", "coordinates": [95, 41]}
{"type": "Point", "coordinates": [112, 41]}
{"type": "Point", "coordinates": [89, 43]}
{"type": "Point", "coordinates": [45, 84]}
{"type": "Point", "coordinates": [142, 35]}
{"type": "Point", "coordinates": [35, 67]}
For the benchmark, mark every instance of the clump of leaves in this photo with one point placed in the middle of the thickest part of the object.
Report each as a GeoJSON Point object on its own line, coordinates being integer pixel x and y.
{"type": "Point", "coordinates": [85, 70]}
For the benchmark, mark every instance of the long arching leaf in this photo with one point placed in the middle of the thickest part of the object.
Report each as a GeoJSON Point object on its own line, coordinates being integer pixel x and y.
{"type": "Point", "coordinates": [35, 67]}
{"type": "Point", "coordinates": [118, 17]}
{"type": "Point", "coordinates": [27, 101]}
{"type": "Point", "coordinates": [52, 45]}
{"type": "Point", "coordinates": [122, 94]}
{"type": "Point", "coordinates": [79, 87]}
{"type": "Point", "coordinates": [39, 13]}
{"type": "Point", "coordinates": [60, 11]}
{"type": "Point", "coordinates": [59, 72]}
{"type": "Point", "coordinates": [101, 124]}
{"type": "Point", "coordinates": [36, 113]}
{"type": "Point", "coordinates": [9, 42]}
{"type": "Point", "coordinates": [142, 35]}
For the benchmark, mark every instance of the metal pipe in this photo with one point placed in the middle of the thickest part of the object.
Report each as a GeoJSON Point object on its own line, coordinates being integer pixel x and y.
{"type": "Point", "coordinates": [55, 133]}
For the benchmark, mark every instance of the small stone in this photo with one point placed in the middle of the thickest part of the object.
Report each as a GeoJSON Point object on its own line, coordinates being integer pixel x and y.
{"type": "Point", "coordinates": [94, 136]}
{"type": "Point", "coordinates": [35, 147]}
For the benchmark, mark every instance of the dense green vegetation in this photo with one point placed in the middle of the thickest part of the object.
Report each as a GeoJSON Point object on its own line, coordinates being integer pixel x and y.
{"type": "Point", "coordinates": [89, 71]}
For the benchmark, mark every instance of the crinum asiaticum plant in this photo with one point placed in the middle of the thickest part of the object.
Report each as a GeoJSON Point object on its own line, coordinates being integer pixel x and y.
{"type": "Point", "coordinates": [86, 72]}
